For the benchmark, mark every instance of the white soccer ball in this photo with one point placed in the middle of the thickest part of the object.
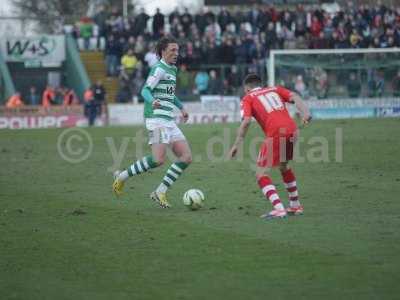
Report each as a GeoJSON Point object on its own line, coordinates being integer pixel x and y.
{"type": "Point", "coordinates": [193, 199]}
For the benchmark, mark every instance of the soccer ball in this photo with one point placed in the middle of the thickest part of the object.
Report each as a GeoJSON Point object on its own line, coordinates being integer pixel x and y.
{"type": "Point", "coordinates": [193, 199]}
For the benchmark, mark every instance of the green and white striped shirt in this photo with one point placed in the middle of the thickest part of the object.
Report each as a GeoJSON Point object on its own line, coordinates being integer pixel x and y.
{"type": "Point", "coordinates": [162, 83]}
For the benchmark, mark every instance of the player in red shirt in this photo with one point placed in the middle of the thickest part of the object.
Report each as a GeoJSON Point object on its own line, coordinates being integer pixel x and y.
{"type": "Point", "coordinates": [268, 106]}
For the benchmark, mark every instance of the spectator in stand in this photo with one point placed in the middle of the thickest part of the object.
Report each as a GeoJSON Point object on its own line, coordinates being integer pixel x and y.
{"type": "Point", "coordinates": [215, 84]}
{"type": "Point", "coordinates": [91, 108]}
{"type": "Point", "coordinates": [355, 39]}
{"type": "Point", "coordinates": [100, 19]}
{"type": "Point", "coordinates": [70, 97]}
{"type": "Point", "coordinates": [186, 20]}
{"type": "Point", "coordinates": [245, 37]}
{"type": "Point", "coordinates": [124, 94]}
{"type": "Point", "coordinates": [111, 53]}
{"type": "Point", "coordinates": [305, 25]}
{"type": "Point", "coordinates": [300, 87]}
{"type": "Point", "coordinates": [158, 24]}
{"type": "Point", "coordinates": [88, 95]}
{"type": "Point", "coordinates": [59, 98]}
{"type": "Point", "coordinates": [289, 39]}
{"type": "Point", "coordinates": [200, 19]}
{"type": "Point", "coordinates": [213, 30]}
{"type": "Point", "coordinates": [48, 97]}
{"type": "Point", "coordinates": [141, 22]}
{"type": "Point", "coordinates": [184, 81]}
{"type": "Point", "coordinates": [120, 50]}
{"type": "Point", "coordinates": [175, 27]}
{"type": "Point", "coordinates": [328, 28]}
{"type": "Point", "coordinates": [140, 47]}
{"type": "Point", "coordinates": [375, 83]}
{"type": "Point", "coordinates": [127, 31]}
{"type": "Point", "coordinates": [174, 15]}
{"type": "Point", "coordinates": [201, 82]}
{"type": "Point", "coordinates": [250, 46]}
{"type": "Point", "coordinates": [240, 52]}
{"type": "Point", "coordinates": [213, 56]}
{"type": "Point", "coordinates": [254, 17]}
{"type": "Point", "coordinates": [198, 53]}
{"type": "Point", "coordinates": [321, 83]}
{"type": "Point", "coordinates": [86, 31]}
{"type": "Point", "coordinates": [151, 56]}
{"type": "Point", "coordinates": [272, 37]}
{"type": "Point", "coordinates": [234, 79]}
{"type": "Point", "coordinates": [319, 42]}
{"type": "Point", "coordinates": [137, 82]}
{"type": "Point", "coordinates": [99, 92]}
{"type": "Point", "coordinates": [128, 64]}
{"type": "Point", "coordinates": [380, 83]}
{"type": "Point", "coordinates": [130, 44]}
{"type": "Point", "coordinates": [15, 101]}
{"type": "Point", "coordinates": [396, 85]}
{"type": "Point", "coordinates": [227, 51]}
{"type": "Point", "coordinates": [33, 97]}
{"type": "Point", "coordinates": [353, 86]}
{"type": "Point", "coordinates": [315, 27]}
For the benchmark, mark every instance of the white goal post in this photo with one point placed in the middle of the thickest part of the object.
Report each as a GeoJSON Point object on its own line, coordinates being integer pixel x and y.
{"type": "Point", "coordinates": [271, 63]}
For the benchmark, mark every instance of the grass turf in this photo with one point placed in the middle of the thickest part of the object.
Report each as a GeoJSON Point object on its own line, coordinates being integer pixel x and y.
{"type": "Point", "coordinates": [63, 235]}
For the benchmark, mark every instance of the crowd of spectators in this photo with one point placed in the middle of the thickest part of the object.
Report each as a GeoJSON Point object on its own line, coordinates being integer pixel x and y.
{"type": "Point", "coordinates": [238, 39]}
{"type": "Point", "coordinates": [50, 96]}
{"type": "Point", "coordinates": [57, 96]}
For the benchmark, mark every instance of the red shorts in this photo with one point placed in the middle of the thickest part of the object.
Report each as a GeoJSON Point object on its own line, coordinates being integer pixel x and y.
{"type": "Point", "coordinates": [276, 149]}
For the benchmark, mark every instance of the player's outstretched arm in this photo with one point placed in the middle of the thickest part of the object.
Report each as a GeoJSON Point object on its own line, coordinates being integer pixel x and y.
{"type": "Point", "coordinates": [302, 107]}
{"type": "Point", "coordinates": [242, 131]}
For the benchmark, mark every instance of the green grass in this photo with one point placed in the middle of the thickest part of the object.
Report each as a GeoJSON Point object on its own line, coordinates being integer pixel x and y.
{"type": "Point", "coordinates": [64, 236]}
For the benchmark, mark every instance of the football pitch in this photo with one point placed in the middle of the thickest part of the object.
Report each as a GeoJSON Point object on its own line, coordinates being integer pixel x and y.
{"type": "Point", "coordinates": [63, 235]}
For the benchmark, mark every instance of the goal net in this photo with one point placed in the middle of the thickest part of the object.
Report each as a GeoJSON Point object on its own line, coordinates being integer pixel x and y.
{"type": "Point", "coordinates": [337, 73]}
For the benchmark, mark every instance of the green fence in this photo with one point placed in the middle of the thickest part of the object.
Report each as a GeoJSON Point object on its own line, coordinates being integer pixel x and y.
{"type": "Point", "coordinates": [7, 88]}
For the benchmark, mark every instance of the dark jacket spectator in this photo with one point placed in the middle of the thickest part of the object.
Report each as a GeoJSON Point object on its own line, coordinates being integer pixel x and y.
{"type": "Point", "coordinates": [224, 18]}
{"type": "Point", "coordinates": [111, 52]}
{"type": "Point", "coordinates": [215, 84]}
{"type": "Point", "coordinates": [240, 52]}
{"type": "Point", "coordinates": [201, 21]}
{"type": "Point", "coordinates": [353, 86]}
{"type": "Point", "coordinates": [124, 94]}
{"type": "Point", "coordinates": [234, 78]}
{"type": "Point", "coordinates": [141, 22]}
{"type": "Point", "coordinates": [99, 92]}
{"type": "Point", "coordinates": [213, 53]}
{"type": "Point", "coordinates": [158, 23]}
{"type": "Point", "coordinates": [174, 15]}
{"type": "Point", "coordinates": [227, 52]}
{"type": "Point", "coordinates": [186, 20]}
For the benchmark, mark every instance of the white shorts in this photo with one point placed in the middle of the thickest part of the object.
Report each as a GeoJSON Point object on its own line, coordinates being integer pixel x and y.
{"type": "Point", "coordinates": [163, 131]}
